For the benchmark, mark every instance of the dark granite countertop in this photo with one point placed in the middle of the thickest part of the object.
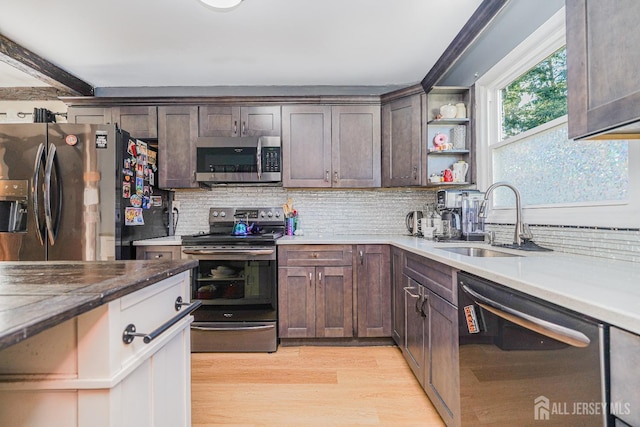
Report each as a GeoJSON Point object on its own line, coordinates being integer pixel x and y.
{"type": "Point", "coordinates": [35, 296]}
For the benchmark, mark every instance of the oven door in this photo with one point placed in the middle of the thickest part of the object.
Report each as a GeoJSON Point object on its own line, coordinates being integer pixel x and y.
{"type": "Point", "coordinates": [238, 289]}
{"type": "Point", "coordinates": [235, 283]}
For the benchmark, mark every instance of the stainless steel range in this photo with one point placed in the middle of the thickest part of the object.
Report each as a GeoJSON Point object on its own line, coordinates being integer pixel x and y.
{"type": "Point", "coordinates": [236, 280]}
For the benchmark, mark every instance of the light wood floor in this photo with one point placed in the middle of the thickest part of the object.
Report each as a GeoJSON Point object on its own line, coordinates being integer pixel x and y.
{"type": "Point", "coordinates": [308, 387]}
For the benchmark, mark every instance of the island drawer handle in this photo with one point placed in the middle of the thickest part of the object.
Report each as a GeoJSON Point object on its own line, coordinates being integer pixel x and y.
{"type": "Point", "coordinates": [130, 331]}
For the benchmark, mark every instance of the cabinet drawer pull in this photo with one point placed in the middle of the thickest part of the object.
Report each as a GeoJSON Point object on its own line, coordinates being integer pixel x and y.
{"type": "Point", "coordinates": [326, 179]}
{"type": "Point", "coordinates": [130, 331]}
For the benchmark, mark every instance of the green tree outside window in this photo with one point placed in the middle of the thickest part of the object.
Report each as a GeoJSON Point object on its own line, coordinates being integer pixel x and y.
{"type": "Point", "coordinates": [536, 97]}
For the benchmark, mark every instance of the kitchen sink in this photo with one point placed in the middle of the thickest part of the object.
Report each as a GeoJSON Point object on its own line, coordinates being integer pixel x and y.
{"type": "Point", "coordinates": [477, 252]}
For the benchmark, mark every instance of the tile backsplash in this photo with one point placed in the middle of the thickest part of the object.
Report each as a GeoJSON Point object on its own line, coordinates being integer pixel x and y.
{"type": "Point", "coordinates": [383, 211]}
{"type": "Point", "coordinates": [379, 211]}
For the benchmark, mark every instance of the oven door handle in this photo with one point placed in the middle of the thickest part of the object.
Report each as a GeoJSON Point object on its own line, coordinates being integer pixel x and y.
{"type": "Point", "coordinates": [233, 329]}
{"type": "Point", "coordinates": [557, 332]}
{"type": "Point", "coordinates": [228, 252]}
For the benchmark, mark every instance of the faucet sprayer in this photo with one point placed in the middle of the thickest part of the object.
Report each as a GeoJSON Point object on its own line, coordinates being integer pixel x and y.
{"type": "Point", "coordinates": [521, 234]}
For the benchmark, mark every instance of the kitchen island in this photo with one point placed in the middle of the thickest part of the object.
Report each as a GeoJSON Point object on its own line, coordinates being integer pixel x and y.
{"type": "Point", "coordinates": [66, 358]}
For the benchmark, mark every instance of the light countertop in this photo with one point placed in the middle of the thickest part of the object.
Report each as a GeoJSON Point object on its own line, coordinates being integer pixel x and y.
{"type": "Point", "coordinates": [608, 290]}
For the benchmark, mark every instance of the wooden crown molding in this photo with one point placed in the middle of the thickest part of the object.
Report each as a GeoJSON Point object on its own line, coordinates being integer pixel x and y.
{"type": "Point", "coordinates": [480, 19]}
{"type": "Point", "coordinates": [43, 70]}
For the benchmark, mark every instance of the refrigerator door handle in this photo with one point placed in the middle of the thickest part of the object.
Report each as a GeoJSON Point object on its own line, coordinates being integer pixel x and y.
{"type": "Point", "coordinates": [52, 230]}
{"type": "Point", "coordinates": [40, 156]}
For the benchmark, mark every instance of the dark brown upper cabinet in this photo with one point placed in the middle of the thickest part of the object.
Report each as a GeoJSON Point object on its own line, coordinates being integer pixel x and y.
{"type": "Point", "coordinates": [401, 141]}
{"type": "Point", "coordinates": [177, 133]}
{"type": "Point", "coordinates": [140, 121]}
{"type": "Point", "coordinates": [331, 146]}
{"type": "Point", "coordinates": [232, 120]}
{"type": "Point", "coordinates": [602, 69]}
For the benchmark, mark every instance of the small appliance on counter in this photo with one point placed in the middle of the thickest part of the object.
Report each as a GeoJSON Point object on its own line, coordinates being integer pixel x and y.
{"type": "Point", "coordinates": [412, 221]}
{"type": "Point", "coordinates": [459, 210]}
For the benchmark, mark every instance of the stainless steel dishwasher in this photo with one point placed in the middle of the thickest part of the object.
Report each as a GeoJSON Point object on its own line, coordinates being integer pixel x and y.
{"type": "Point", "coordinates": [524, 361]}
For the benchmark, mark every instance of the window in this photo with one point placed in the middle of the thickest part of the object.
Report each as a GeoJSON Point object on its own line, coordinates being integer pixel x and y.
{"type": "Point", "coordinates": [522, 139]}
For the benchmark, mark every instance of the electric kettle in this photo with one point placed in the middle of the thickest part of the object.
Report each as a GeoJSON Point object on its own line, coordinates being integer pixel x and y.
{"type": "Point", "coordinates": [412, 222]}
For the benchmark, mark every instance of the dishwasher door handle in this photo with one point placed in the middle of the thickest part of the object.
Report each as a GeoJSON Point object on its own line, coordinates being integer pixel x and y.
{"type": "Point", "coordinates": [557, 332]}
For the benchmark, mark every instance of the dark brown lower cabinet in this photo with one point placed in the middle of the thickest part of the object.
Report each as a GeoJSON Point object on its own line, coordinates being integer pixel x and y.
{"type": "Point", "coordinates": [442, 377]}
{"type": "Point", "coordinates": [430, 342]}
{"type": "Point", "coordinates": [315, 302]}
{"type": "Point", "coordinates": [373, 282]}
{"type": "Point", "coordinates": [399, 282]}
{"type": "Point", "coordinates": [416, 320]}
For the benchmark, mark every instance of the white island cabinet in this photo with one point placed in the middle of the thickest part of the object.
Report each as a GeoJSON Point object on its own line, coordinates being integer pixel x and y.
{"type": "Point", "coordinates": [82, 373]}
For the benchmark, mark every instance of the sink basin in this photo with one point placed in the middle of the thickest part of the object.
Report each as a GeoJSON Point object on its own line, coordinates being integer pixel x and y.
{"type": "Point", "coordinates": [477, 252]}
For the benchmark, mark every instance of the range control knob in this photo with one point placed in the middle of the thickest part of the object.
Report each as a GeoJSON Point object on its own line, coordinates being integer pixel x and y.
{"type": "Point", "coordinates": [277, 214]}
{"type": "Point", "coordinates": [215, 214]}
{"type": "Point", "coordinates": [223, 214]}
{"type": "Point", "coordinates": [270, 214]}
{"type": "Point", "coordinates": [262, 214]}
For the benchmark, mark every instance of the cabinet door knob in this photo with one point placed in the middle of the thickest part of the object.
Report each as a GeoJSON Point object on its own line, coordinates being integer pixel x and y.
{"type": "Point", "coordinates": [335, 177]}
{"type": "Point", "coordinates": [361, 258]}
{"type": "Point", "coordinates": [315, 255]}
{"type": "Point", "coordinates": [235, 127]}
{"type": "Point", "coordinates": [244, 128]}
{"type": "Point", "coordinates": [320, 276]}
{"type": "Point", "coordinates": [326, 179]}
{"type": "Point", "coordinates": [415, 172]}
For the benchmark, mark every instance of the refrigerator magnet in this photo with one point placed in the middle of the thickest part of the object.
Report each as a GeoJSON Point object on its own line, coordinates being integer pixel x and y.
{"type": "Point", "coordinates": [139, 169]}
{"type": "Point", "coordinates": [133, 216]}
{"type": "Point", "coordinates": [142, 147]}
{"type": "Point", "coordinates": [131, 148]}
{"type": "Point", "coordinates": [135, 200]}
{"type": "Point", "coordinates": [139, 185]}
{"type": "Point", "coordinates": [156, 201]}
{"type": "Point", "coordinates": [146, 202]}
{"type": "Point", "coordinates": [127, 163]}
{"type": "Point", "coordinates": [101, 139]}
{"type": "Point", "coordinates": [152, 178]}
{"type": "Point", "coordinates": [126, 190]}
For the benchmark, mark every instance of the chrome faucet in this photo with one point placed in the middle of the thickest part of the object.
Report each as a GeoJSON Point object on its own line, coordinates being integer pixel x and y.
{"type": "Point", "coordinates": [521, 234]}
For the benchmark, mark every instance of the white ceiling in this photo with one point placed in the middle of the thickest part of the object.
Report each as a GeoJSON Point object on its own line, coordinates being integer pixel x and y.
{"type": "Point", "coordinates": [136, 43]}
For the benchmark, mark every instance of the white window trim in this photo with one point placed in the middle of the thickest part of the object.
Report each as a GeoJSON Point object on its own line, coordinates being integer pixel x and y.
{"type": "Point", "coordinates": [543, 42]}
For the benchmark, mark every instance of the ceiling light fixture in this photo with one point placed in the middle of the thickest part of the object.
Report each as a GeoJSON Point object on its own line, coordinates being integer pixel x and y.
{"type": "Point", "coordinates": [221, 4]}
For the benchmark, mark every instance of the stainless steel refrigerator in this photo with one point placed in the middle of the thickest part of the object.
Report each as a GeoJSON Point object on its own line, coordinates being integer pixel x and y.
{"type": "Point", "coordinates": [77, 192]}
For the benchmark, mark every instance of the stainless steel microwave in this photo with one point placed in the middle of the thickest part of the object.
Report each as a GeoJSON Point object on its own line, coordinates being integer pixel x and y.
{"type": "Point", "coordinates": [243, 160]}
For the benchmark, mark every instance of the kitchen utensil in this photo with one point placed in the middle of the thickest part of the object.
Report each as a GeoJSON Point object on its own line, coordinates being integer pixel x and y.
{"type": "Point", "coordinates": [448, 111]}
{"type": "Point", "coordinates": [460, 169]}
{"type": "Point", "coordinates": [412, 222]}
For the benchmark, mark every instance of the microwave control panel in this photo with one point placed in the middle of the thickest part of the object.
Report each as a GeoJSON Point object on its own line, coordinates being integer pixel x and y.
{"type": "Point", "coordinates": [271, 159]}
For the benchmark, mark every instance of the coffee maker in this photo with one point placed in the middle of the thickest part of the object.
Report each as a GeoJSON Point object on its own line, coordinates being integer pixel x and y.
{"type": "Point", "coordinates": [460, 208]}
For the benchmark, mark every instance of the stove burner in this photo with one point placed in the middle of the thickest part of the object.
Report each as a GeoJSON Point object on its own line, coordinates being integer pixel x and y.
{"type": "Point", "coordinates": [241, 226]}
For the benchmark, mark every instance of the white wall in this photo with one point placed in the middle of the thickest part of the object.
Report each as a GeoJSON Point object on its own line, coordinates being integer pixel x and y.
{"type": "Point", "coordinates": [10, 111]}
